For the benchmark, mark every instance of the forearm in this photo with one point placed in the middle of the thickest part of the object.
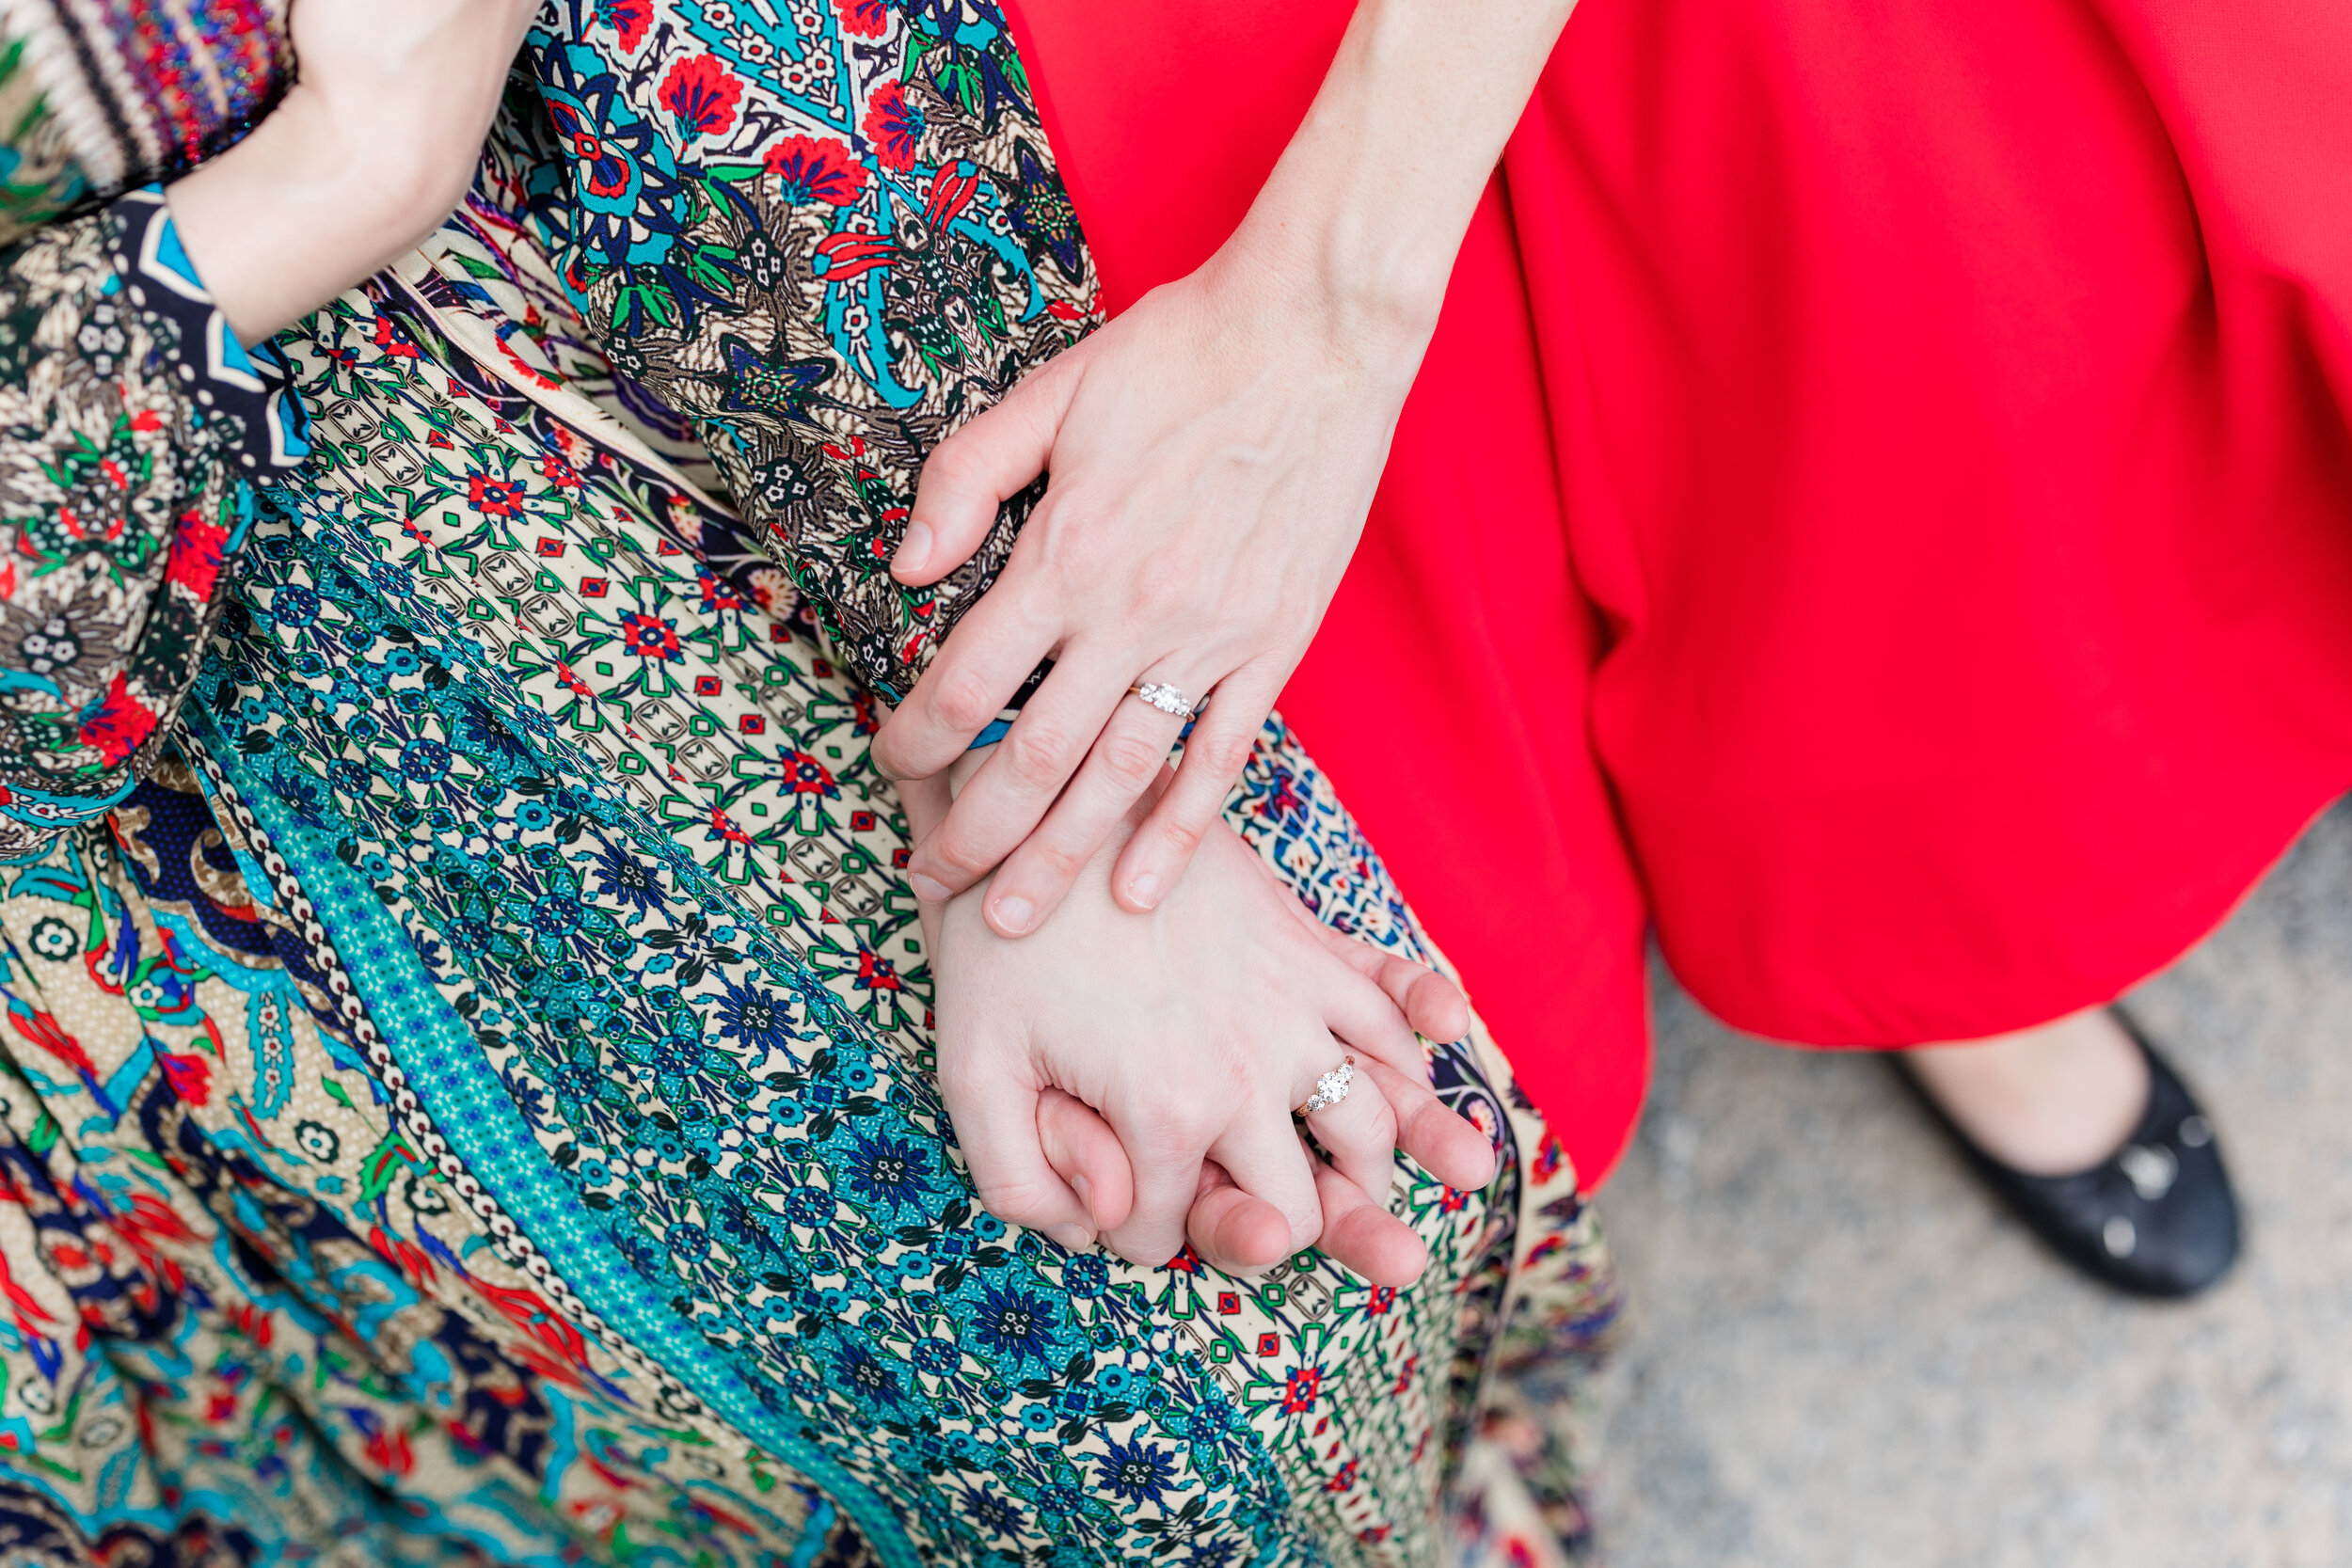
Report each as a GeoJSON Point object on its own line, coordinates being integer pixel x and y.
{"type": "Point", "coordinates": [370, 150]}
{"type": "Point", "coordinates": [293, 215]}
{"type": "Point", "coordinates": [1213, 454]}
{"type": "Point", "coordinates": [1369, 202]}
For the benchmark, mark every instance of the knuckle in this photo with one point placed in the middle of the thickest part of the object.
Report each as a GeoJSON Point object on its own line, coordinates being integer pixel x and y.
{"type": "Point", "coordinates": [1187, 1127]}
{"type": "Point", "coordinates": [1058, 859]}
{"type": "Point", "coordinates": [963, 700]}
{"type": "Point", "coordinates": [964, 861]}
{"type": "Point", "coordinates": [956, 464]}
{"type": "Point", "coordinates": [1183, 830]}
{"type": "Point", "coordinates": [1226, 751]}
{"type": "Point", "coordinates": [1163, 591]}
{"type": "Point", "coordinates": [1037, 754]}
{"type": "Point", "coordinates": [1130, 759]}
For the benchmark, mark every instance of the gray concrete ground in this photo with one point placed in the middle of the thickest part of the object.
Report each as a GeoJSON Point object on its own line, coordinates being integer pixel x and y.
{"type": "Point", "coordinates": [1840, 1354]}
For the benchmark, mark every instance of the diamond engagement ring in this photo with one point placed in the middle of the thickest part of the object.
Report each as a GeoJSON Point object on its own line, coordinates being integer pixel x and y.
{"type": "Point", "coordinates": [1167, 699]}
{"type": "Point", "coordinates": [1330, 1089]}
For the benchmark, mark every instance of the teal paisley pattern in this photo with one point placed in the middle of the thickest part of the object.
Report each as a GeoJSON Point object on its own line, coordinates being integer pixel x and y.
{"type": "Point", "coordinates": [472, 1101]}
{"type": "Point", "coordinates": [127, 464]}
{"type": "Point", "coordinates": [827, 242]}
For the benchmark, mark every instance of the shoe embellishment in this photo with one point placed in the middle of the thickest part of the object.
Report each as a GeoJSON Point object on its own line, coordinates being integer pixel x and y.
{"type": "Point", "coordinates": [2151, 1167]}
{"type": "Point", "coordinates": [2118, 1236]}
{"type": "Point", "coordinates": [2196, 1132]}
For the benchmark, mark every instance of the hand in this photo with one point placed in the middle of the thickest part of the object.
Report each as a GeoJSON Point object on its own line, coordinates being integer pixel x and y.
{"type": "Point", "coordinates": [1212, 451]}
{"type": "Point", "coordinates": [372, 145]}
{"type": "Point", "coordinates": [1191, 1030]}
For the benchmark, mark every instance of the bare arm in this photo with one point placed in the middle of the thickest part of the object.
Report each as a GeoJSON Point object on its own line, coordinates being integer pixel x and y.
{"type": "Point", "coordinates": [1212, 454]}
{"type": "Point", "coordinates": [368, 152]}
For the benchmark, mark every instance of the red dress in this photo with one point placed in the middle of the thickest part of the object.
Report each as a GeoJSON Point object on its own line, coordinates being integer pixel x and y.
{"type": "Point", "coordinates": [1878, 505]}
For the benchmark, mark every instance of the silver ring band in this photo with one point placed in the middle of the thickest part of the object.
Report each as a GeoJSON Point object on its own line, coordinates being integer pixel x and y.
{"type": "Point", "coordinates": [1167, 699]}
{"type": "Point", "coordinates": [1330, 1089]}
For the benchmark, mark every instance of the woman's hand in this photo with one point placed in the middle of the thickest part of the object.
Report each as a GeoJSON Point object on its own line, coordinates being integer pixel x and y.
{"type": "Point", "coordinates": [368, 152]}
{"type": "Point", "coordinates": [1133, 1074]}
{"type": "Point", "coordinates": [1212, 454]}
{"type": "Point", "coordinates": [1213, 451]}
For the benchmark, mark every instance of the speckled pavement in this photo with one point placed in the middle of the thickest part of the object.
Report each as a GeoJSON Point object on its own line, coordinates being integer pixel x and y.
{"type": "Point", "coordinates": [1840, 1353]}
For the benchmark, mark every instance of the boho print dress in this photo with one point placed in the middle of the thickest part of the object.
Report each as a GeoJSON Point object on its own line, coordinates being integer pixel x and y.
{"type": "Point", "coordinates": [465, 1095]}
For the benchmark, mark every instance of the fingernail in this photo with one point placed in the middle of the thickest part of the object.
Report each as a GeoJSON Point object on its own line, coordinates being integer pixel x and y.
{"type": "Point", "coordinates": [915, 550]}
{"type": "Point", "coordinates": [930, 889]}
{"type": "Point", "coordinates": [1014, 915]}
{"type": "Point", "coordinates": [1078, 1238]}
{"type": "Point", "coordinates": [1144, 888]}
{"type": "Point", "coordinates": [1085, 1190]}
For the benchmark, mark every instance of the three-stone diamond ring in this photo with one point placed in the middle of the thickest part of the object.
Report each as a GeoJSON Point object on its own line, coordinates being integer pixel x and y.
{"type": "Point", "coordinates": [1330, 1089]}
{"type": "Point", "coordinates": [1167, 699]}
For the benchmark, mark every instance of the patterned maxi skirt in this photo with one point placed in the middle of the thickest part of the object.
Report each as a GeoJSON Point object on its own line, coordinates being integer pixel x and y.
{"type": "Point", "coordinates": [473, 1103]}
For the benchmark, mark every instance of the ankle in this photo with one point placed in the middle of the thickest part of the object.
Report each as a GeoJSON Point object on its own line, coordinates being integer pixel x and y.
{"type": "Point", "coordinates": [2047, 1102]}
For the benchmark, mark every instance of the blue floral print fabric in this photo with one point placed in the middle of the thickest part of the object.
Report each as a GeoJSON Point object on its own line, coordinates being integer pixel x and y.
{"type": "Point", "coordinates": [132, 426]}
{"type": "Point", "coordinates": [473, 1101]}
{"type": "Point", "coordinates": [827, 241]}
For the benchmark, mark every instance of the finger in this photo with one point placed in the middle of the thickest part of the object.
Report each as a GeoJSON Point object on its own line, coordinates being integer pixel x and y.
{"type": "Point", "coordinates": [1433, 1005]}
{"type": "Point", "coordinates": [926, 802]}
{"type": "Point", "coordinates": [1359, 1132]}
{"type": "Point", "coordinates": [1000, 640]}
{"type": "Point", "coordinates": [1442, 1141]}
{"type": "Point", "coordinates": [1266, 1159]}
{"type": "Point", "coordinates": [970, 475]}
{"type": "Point", "coordinates": [1129, 756]}
{"type": "Point", "coordinates": [1362, 1235]}
{"type": "Point", "coordinates": [1233, 1231]}
{"type": "Point", "coordinates": [1214, 753]}
{"type": "Point", "coordinates": [1001, 805]}
{"type": "Point", "coordinates": [1086, 1153]}
{"type": "Point", "coordinates": [995, 1120]}
{"type": "Point", "coordinates": [1167, 1178]}
{"type": "Point", "coordinates": [1357, 1012]}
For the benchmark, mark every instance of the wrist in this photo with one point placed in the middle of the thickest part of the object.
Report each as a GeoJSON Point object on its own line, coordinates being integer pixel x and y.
{"type": "Point", "coordinates": [305, 207]}
{"type": "Point", "coordinates": [1373, 302]}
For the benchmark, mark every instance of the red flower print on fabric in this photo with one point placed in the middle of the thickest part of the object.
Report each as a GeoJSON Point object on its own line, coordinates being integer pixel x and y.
{"type": "Point", "coordinates": [1300, 1390]}
{"type": "Point", "coordinates": [866, 19]}
{"type": "Point", "coordinates": [117, 725]}
{"type": "Point", "coordinates": [649, 638]}
{"type": "Point", "coordinates": [392, 341]}
{"type": "Point", "coordinates": [498, 498]}
{"type": "Point", "coordinates": [807, 776]}
{"type": "Point", "coordinates": [190, 1076]}
{"type": "Point", "coordinates": [813, 171]}
{"type": "Point", "coordinates": [703, 93]}
{"type": "Point", "coordinates": [628, 18]}
{"type": "Point", "coordinates": [876, 972]}
{"type": "Point", "coordinates": [893, 127]}
{"type": "Point", "coordinates": [196, 549]}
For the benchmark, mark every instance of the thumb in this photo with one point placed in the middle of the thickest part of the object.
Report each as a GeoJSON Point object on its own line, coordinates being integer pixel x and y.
{"type": "Point", "coordinates": [997, 1120]}
{"type": "Point", "coordinates": [1431, 1002]}
{"type": "Point", "coordinates": [1087, 1154]}
{"type": "Point", "coordinates": [970, 474]}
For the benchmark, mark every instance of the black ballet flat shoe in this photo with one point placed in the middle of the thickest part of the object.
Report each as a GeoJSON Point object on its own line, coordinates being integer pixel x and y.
{"type": "Point", "coordinates": [2157, 1218]}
